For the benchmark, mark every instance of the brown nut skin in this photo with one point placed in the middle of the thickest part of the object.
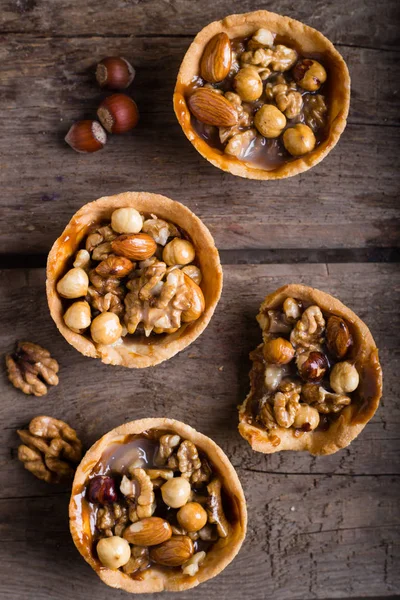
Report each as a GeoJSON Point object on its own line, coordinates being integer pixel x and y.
{"type": "Point", "coordinates": [278, 351]}
{"type": "Point", "coordinates": [269, 121]}
{"type": "Point", "coordinates": [314, 367]}
{"type": "Point", "coordinates": [247, 83]}
{"type": "Point", "coordinates": [299, 140]}
{"type": "Point", "coordinates": [118, 113]}
{"type": "Point", "coordinates": [102, 490]}
{"type": "Point", "coordinates": [338, 336]}
{"type": "Point", "coordinates": [115, 73]}
{"type": "Point", "coordinates": [216, 61]}
{"type": "Point", "coordinates": [309, 74]}
{"type": "Point", "coordinates": [114, 266]}
{"type": "Point", "coordinates": [174, 552]}
{"type": "Point", "coordinates": [197, 301]}
{"type": "Point", "coordinates": [136, 246]}
{"type": "Point", "coordinates": [212, 108]}
{"type": "Point", "coordinates": [192, 517]}
{"type": "Point", "coordinates": [150, 531]}
{"type": "Point", "coordinates": [86, 136]}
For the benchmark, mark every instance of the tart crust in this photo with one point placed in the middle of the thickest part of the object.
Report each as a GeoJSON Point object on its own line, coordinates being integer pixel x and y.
{"type": "Point", "coordinates": [157, 579]}
{"type": "Point", "coordinates": [353, 418]}
{"type": "Point", "coordinates": [307, 41]}
{"type": "Point", "coordinates": [135, 353]}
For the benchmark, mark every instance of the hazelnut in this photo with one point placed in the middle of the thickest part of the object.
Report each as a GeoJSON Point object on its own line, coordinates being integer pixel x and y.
{"type": "Point", "coordinates": [102, 490]}
{"type": "Point", "coordinates": [126, 220]}
{"type": "Point", "coordinates": [115, 73]}
{"type": "Point", "coordinates": [307, 418]}
{"type": "Point", "coordinates": [247, 83]}
{"type": "Point", "coordinates": [272, 377]}
{"type": "Point", "coordinates": [82, 259]}
{"type": "Point", "coordinates": [113, 552]}
{"type": "Point", "coordinates": [106, 328]}
{"type": "Point", "coordinates": [292, 309]}
{"type": "Point", "coordinates": [86, 136]}
{"type": "Point", "coordinates": [176, 492]}
{"type": "Point", "coordinates": [270, 121]}
{"type": "Point", "coordinates": [309, 74]}
{"type": "Point", "coordinates": [344, 378]}
{"type": "Point", "coordinates": [278, 351]}
{"type": "Point", "coordinates": [178, 252]}
{"type": "Point", "coordinates": [174, 552]}
{"type": "Point", "coordinates": [193, 272]}
{"type": "Point", "coordinates": [78, 316]}
{"type": "Point", "coordinates": [136, 246]}
{"type": "Point", "coordinates": [148, 532]}
{"type": "Point", "coordinates": [74, 284]}
{"type": "Point", "coordinates": [338, 337]}
{"type": "Point", "coordinates": [313, 366]}
{"type": "Point", "coordinates": [299, 140]}
{"type": "Point", "coordinates": [192, 517]}
{"type": "Point", "coordinates": [118, 113]}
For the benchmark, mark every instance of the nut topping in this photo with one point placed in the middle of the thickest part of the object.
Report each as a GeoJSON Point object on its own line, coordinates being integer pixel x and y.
{"type": "Point", "coordinates": [114, 266]}
{"type": "Point", "coordinates": [102, 490]}
{"type": "Point", "coordinates": [312, 366]}
{"type": "Point", "coordinates": [212, 109]}
{"type": "Point", "coordinates": [216, 61]}
{"type": "Point", "coordinates": [174, 552]}
{"type": "Point", "coordinates": [148, 532]}
{"type": "Point", "coordinates": [137, 246]}
{"type": "Point", "coordinates": [338, 337]}
{"type": "Point", "coordinates": [215, 509]}
{"type": "Point", "coordinates": [28, 366]}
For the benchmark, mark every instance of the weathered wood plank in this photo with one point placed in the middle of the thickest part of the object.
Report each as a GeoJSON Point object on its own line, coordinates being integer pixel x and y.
{"type": "Point", "coordinates": [178, 387]}
{"type": "Point", "coordinates": [346, 21]}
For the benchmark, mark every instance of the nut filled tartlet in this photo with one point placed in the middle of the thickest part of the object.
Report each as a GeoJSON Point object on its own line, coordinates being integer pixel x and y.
{"type": "Point", "coordinates": [316, 379]}
{"type": "Point", "coordinates": [262, 96]}
{"type": "Point", "coordinates": [133, 279]}
{"type": "Point", "coordinates": [155, 506]}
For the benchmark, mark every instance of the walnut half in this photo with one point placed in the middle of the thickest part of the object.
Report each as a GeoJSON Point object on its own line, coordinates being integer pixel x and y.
{"type": "Point", "coordinates": [30, 367]}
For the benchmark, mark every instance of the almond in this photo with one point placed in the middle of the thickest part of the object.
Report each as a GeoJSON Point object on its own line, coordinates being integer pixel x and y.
{"type": "Point", "coordinates": [148, 532]}
{"type": "Point", "coordinates": [216, 61]}
{"type": "Point", "coordinates": [212, 108]}
{"type": "Point", "coordinates": [114, 266]}
{"type": "Point", "coordinates": [196, 298]}
{"type": "Point", "coordinates": [138, 246]}
{"type": "Point", "coordinates": [338, 336]}
{"type": "Point", "coordinates": [174, 552]}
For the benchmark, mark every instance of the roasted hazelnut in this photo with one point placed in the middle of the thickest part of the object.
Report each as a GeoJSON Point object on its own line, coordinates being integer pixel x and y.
{"type": "Point", "coordinates": [270, 121]}
{"type": "Point", "coordinates": [74, 284]}
{"type": "Point", "coordinates": [102, 490]}
{"type": "Point", "coordinates": [309, 74]}
{"type": "Point", "coordinates": [136, 246]}
{"type": "Point", "coordinates": [118, 113]}
{"type": "Point", "coordinates": [338, 336]}
{"type": "Point", "coordinates": [299, 140]}
{"type": "Point", "coordinates": [176, 492]}
{"type": "Point", "coordinates": [126, 220]}
{"type": "Point", "coordinates": [115, 73]}
{"type": "Point", "coordinates": [82, 259]}
{"type": "Point", "coordinates": [193, 272]}
{"type": "Point", "coordinates": [247, 83]}
{"type": "Point", "coordinates": [86, 136]}
{"type": "Point", "coordinates": [196, 299]}
{"type": "Point", "coordinates": [114, 266]}
{"type": "Point", "coordinates": [307, 418]}
{"type": "Point", "coordinates": [78, 316]}
{"type": "Point", "coordinates": [113, 552]}
{"type": "Point", "coordinates": [278, 351]}
{"type": "Point", "coordinates": [178, 252]}
{"type": "Point", "coordinates": [344, 378]}
{"type": "Point", "coordinates": [314, 366]}
{"type": "Point", "coordinates": [106, 328]}
{"type": "Point", "coordinates": [192, 517]}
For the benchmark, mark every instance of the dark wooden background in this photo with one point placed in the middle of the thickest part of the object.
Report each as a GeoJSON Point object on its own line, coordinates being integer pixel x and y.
{"type": "Point", "coordinates": [318, 527]}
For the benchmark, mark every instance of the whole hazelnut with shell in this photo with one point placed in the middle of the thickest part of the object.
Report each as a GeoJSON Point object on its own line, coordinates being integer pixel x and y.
{"type": "Point", "coordinates": [269, 121]}
{"type": "Point", "coordinates": [299, 140]}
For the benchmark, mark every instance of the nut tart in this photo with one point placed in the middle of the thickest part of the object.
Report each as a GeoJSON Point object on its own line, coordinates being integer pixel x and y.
{"type": "Point", "coordinates": [316, 380]}
{"type": "Point", "coordinates": [262, 96]}
{"type": "Point", "coordinates": [156, 506]}
{"type": "Point", "coordinates": [133, 279]}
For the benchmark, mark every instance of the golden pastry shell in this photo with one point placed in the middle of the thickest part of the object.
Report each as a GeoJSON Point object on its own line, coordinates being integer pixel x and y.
{"type": "Point", "coordinates": [156, 579]}
{"type": "Point", "coordinates": [353, 418]}
{"type": "Point", "coordinates": [309, 42]}
{"type": "Point", "coordinates": [132, 353]}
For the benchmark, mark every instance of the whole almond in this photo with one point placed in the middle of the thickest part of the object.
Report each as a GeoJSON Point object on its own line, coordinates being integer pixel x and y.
{"type": "Point", "coordinates": [137, 246]}
{"type": "Point", "coordinates": [338, 336]}
{"type": "Point", "coordinates": [174, 552]}
{"type": "Point", "coordinates": [212, 108]}
{"type": "Point", "coordinates": [148, 532]}
{"type": "Point", "coordinates": [216, 61]}
{"type": "Point", "coordinates": [114, 266]}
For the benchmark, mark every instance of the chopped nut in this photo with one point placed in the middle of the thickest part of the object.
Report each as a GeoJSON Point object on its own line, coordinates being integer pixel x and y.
{"type": "Point", "coordinates": [325, 402]}
{"type": "Point", "coordinates": [112, 519]}
{"type": "Point", "coordinates": [27, 365]}
{"type": "Point", "coordinates": [101, 235]}
{"type": "Point", "coordinates": [215, 509]}
{"type": "Point", "coordinates": [144, 505]}
{"type": "Point", "coordinates": [191, 567]}
{"type": "Point", "coordinates": [280, 58]}
{"type": "Point", "coordinates": [239, 144]}
{"type": "Point", "coordinates": [266, 414]}
{"type": "Point", "coordinates": [50, 450]}
{"type": "Point", "coordinates": [208, 533]}
{"type": "Point", "coordinates": [286, 405]}
{"type": "Point", "coordinates": [274, 322]}
{"type": "Point", "coordinates": [160, 230]}
{"type": "Point", "coordinates": [167, 445]}
{"type": "Point", "coordinates": [160, 474]}
{"type": "Point", "coordinates": [286, 96]}
{"type": "Point", "coordinates": [307, 333]}
{"type": "Point", "coordinates": [315, 111]}
{"type": "Point", "coordinates": [202, 474]}
{"type": "Point", "coordinates": [138, 561]}
{"type": "Point", "coordinates": [188, 459]}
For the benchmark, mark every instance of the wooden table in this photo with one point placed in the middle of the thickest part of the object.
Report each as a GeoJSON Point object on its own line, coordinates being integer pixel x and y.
{"type": "Point", "coordinates": [318, 527]}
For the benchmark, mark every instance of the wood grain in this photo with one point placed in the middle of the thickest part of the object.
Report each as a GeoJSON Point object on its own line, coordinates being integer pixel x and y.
{"type": "Point", "coordinates": [326, 527]}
